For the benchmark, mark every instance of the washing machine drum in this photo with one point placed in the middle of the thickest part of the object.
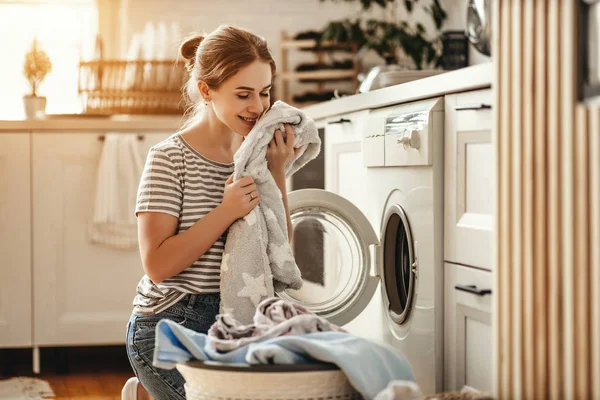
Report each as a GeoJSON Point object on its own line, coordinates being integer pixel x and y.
{"type": "Point", "coordinates": [399, 265]}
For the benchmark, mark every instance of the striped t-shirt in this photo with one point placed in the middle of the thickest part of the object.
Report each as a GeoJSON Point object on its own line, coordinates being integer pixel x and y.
{"type": "Point", "coordinates": [180, 181]}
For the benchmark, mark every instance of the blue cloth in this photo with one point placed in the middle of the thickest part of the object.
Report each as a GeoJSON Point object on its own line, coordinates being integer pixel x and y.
{"type": "Point", "coordinates": [369, 366]}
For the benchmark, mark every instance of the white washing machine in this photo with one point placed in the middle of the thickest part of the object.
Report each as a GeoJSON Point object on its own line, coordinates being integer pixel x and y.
{"type": "Point", "coordinates": [377, 270]}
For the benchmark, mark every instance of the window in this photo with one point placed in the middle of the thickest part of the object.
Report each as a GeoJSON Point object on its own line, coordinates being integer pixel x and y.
{"type": "Point", "coordinates": [66, 30]}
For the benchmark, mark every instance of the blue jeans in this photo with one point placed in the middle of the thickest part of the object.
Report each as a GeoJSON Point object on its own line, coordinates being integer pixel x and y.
{"type": "Point", "coordinates": [194, 311]}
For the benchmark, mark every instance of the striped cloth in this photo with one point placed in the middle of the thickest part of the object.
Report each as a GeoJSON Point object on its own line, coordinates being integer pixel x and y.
{"type": "Point", "coordinates": [179, 181]}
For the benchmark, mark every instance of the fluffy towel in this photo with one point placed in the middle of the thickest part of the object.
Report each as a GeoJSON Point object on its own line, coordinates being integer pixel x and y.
{"type": "Point", "coordinates": [258, 259]}
{"type": "Point", "coordinates": [369, 366]}
{"type": "Point", "coordinates": [113, 223]}
{"type": "Point", "coordinates": [274, 317]}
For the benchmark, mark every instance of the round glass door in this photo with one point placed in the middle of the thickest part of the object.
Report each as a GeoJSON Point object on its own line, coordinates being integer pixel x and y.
{"type": "Point", "coordinates": [331, 250]}
{"type": "Point", "coordinates": [399, 264]}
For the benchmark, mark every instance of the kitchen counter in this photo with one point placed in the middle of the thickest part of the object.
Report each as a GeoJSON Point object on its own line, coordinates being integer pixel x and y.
{"type": "Point", "coordinates": [461, 80]}
{"type": "Point", "coordinates": [81, 123]}
{"type": "Point", "coordinates": [469, 78]}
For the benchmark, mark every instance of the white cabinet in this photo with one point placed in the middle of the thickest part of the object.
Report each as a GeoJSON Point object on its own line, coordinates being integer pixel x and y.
{"type": "Point", "coordinates": [469, 198]}
{"type": "Point", "coordinates": [468, 354]}
{"type": "Point", "coordinates": [15, 240]}
{"type": "Point", "coordinates": [82, 292]}
{"type": "Point", "coordinates": [469, 179]}
{"type": "Point", "coordinates": [343, 158]}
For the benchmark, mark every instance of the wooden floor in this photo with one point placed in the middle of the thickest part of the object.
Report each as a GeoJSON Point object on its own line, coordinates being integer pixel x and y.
{"type": "Point", "coordinates": [74, 373]}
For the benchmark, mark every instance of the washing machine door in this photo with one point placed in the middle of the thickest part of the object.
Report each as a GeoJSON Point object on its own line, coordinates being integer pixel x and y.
{"type": "Point", "coordinates": [331, 244]}
{"type": "Point", "coordinates": [400, 266]}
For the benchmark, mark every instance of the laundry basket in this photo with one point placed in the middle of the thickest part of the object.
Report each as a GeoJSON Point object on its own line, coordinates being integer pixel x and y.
{"type": "Point", "coordinates": [217, 381]}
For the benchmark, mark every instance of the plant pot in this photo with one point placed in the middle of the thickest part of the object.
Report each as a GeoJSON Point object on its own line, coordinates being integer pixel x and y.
{"type": "Point", "coordinates": [35, 106]}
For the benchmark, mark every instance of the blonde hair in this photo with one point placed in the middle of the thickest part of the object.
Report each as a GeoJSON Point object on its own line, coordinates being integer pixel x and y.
{"type": "Point", "coordinates": [218, 56]}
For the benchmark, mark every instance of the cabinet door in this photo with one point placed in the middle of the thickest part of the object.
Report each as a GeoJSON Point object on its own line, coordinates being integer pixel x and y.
{"type": "Point", "coordinates": [469, 172]}
{"type": "Point", "coordinates": [82, 292]}
{"type": "Point", "coordinates": [15, 240]}
{"type": "Point", "coordinates": [468, 341]}
{"type": "Point", "coordinates": [343, 158]}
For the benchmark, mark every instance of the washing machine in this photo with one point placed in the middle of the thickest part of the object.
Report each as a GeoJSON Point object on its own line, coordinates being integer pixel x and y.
{"type": "Point", "coordinates": [377, 269]}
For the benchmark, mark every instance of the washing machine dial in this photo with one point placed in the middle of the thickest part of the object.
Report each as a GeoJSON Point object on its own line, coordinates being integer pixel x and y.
{"type": "Point", "coordinates": [410, 139]}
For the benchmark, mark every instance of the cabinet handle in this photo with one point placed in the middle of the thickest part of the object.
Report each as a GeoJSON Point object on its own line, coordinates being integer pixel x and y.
{"type": "Point", "coordinates": [473, 289]}
{"type": "Point", "coordinates": [481, 106]}
{"type": "Point", "coordinates": [339, 121]}
{"type": "Point", "coordinates": [102, 137]}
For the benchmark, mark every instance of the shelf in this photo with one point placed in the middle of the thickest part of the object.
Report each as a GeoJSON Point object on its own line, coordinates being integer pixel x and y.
{"type": "Point", "coordinates": [304, 104]}
{"type": "Point", "coordinates": [318, 78]}
{"type": "Point", "coordinates": [312, 44]}
{"type": "Point", "coordinates": [321, 74]}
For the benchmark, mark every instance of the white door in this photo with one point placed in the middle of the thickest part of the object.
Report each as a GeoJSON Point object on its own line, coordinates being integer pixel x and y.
{"type": "Point", "coordinates": [83, 292]}
{"type": "Point", "coordinates": [15, 240]}
{"type": "Point", "coordinates": [336, 268]}
{"type": "Point", "coordinates": [469, 179]}
{"type": "Point", "coordinates": [468, 357]}
{"type": "Point", "coordinates": [344, 167]}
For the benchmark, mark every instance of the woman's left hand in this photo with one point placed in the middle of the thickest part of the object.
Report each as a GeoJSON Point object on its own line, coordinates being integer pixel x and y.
{"type": "Point", "coordinates": [280, 153]}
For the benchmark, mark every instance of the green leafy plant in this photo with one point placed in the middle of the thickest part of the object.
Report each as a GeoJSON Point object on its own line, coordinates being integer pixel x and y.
{"type": "Point", "coordinates": [37, 65]}
{"type": "Point", "coordinates": [386, 37]}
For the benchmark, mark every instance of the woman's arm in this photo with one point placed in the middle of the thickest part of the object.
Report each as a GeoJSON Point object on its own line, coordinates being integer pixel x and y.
{"type": "Point", "coordinates": [165, 253]}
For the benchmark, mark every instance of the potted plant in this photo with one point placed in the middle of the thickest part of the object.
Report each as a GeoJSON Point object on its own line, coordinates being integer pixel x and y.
{"type": "Point", "coordinates": [389, 36]}
{"type": "Point", "coordinates": [37, 65]}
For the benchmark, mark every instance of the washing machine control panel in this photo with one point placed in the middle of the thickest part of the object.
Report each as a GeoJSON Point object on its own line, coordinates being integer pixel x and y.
{"type": "Point", "coordinates": [403, 135]}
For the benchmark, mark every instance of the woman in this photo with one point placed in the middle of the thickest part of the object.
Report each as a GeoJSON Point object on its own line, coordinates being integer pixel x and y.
{"type": "Point", "coordinates": [187, 198]}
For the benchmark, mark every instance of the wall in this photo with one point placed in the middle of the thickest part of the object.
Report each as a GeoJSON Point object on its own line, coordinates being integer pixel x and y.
{"type": "Point", "coordinates": [265, 17]}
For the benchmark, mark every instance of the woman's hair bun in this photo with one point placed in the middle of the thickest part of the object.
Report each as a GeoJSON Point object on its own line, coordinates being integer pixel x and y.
{"type": "Point", "coordinates": [189, 46]}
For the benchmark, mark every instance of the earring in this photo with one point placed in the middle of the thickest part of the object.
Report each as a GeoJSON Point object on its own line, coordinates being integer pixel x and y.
{"type": "Point", "coordinates": [205, 102]}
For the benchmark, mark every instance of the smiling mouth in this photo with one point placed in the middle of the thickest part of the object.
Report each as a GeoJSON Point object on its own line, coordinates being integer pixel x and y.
{"type": "Point", "coordinates": [248, 120]}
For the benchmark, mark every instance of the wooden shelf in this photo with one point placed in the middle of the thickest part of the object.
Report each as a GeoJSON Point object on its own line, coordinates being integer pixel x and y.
{"type": "Point", "coordinates": [288, 77]}
{"type": "Point", "coordinates": [320, 74]}
{"type": "Point", "coordinates": [303, 104]}
{"type": "Point", "coordinates": [312, 44]}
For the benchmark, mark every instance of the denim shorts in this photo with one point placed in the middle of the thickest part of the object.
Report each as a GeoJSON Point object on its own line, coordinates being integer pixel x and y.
{"type": "Point", "coordinates": [194, 311]}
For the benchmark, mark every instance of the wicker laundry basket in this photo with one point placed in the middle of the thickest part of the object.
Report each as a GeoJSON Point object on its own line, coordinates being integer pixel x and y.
{"type": "Point", "coordinates": [216, 381]}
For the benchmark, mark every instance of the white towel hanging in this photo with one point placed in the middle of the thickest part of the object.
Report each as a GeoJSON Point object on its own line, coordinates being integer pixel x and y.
{"type": "Point", "coordinates": [114, 223]}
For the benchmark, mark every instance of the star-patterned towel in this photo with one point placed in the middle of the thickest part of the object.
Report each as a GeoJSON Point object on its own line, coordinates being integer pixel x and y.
{"type": "Point", "coordinates": [274, 317]}
{"type": "Point", "coordinates": [258, 259]}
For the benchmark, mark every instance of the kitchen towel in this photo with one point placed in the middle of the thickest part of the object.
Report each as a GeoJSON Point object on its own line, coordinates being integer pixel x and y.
{"type": "Point", "coordinates": [258, 259]}
{"type": "Point", "coordinates": [113, 222]}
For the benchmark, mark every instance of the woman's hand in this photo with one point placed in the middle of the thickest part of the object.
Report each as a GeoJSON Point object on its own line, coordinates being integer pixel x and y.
{"type": "Point", "coordinates": [240, 197]}
{"type": "Point", "coordinates": [280, 153]}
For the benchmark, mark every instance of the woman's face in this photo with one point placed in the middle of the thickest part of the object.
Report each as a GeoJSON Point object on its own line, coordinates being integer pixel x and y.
{"type": "Point", "coordinates": [244, 97]}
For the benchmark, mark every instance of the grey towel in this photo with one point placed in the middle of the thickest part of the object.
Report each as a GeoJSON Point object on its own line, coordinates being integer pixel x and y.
{"type": "Point", "coordinates": [273, 317]}
{"type": "Point", "coordinates": [258, 258]}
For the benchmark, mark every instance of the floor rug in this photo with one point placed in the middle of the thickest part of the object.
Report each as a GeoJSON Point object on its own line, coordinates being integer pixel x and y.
{"type": "Point", "coordinates": [23, 388]}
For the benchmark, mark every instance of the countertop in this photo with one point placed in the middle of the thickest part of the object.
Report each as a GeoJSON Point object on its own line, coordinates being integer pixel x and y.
{"type": "Point", "coordinates": [461, 80]}
{"type": "Point", "coordinates": [469, 78]}
{"type": "Point", "coordinates": [81, 123]}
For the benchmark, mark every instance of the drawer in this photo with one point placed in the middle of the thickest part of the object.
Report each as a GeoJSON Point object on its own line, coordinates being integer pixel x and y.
{"type": "Point", "coordinates": [468, 344]}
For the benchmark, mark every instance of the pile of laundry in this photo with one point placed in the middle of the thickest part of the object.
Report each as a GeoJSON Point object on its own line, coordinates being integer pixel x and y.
{"type": "Point", "coordinates": [284, 333]}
